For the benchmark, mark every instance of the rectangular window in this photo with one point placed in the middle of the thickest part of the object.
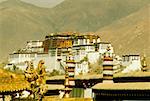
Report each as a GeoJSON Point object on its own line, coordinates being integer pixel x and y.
{"type": "Point", "coordinates": [53, 52]}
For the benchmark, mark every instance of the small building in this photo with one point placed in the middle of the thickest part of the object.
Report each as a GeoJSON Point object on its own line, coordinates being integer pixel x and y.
{"type": "Point", "coordinates": [131, 62]}
{"type": "Point", "coordinates": [127, 59]}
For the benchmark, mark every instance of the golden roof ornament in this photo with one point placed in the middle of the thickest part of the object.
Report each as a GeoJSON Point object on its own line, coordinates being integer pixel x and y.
{"type": "Point", "coordinates": [143, 62]}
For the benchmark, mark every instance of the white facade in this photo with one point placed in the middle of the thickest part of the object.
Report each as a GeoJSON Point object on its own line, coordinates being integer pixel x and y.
{"type": "Point", "coordinates": [90, 53]}
{"type": "Point", "coordinates": [36, 43]}
{"type": "Point", "coordinates": [85, 41]}
{"type": "Point", "coordinates": [21, 57]}
{"type": "Point", "coordinates": [81, 64]}
{"type": "Point", "coordinates": [50, 61]}
{"type": "Point", "coordinates": [127, 59]}
{"type": "Point", "coordinates": [132, 63]}
{"type": "Point", "coordinates": [35, 46]}
{"type": "Point", "coordinates": [84, 46]}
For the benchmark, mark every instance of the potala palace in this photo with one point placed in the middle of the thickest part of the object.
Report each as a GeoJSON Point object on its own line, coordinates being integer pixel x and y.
{"type": "Point", "coordinates": [86, 48]}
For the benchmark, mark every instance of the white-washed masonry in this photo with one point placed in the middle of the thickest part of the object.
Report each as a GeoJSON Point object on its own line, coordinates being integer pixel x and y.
{"type": "Point", "coordinates": [84, 51]}
{"type": "Point", "coordinates": [132, 63]}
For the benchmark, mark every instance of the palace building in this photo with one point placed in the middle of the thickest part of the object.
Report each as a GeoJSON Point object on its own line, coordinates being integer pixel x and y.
{"type": "Point", "coordinates": [87, 48]}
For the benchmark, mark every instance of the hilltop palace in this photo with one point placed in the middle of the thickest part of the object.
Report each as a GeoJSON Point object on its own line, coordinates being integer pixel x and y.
{"type": "Point", "coordinates": [87, 49]}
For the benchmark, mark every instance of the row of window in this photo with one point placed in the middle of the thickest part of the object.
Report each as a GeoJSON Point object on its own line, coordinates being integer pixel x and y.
{"type": "Point", "coordinates": [84, 41]}
{"type": "Point", "coordinates": [131, 58]}
{"type": "Point", "coordinates": [22, 55]}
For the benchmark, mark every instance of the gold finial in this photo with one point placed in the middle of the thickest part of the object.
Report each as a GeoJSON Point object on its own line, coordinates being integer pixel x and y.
{"type": "Point", "coordinates": [144, 61]}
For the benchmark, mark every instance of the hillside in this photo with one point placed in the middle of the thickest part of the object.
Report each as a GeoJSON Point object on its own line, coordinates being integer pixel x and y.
{"type": "Point", "coordinates": [130, 34]}
{"type": "Point", "coordinates": [20, 22]}
{"type": "Point", "coordinates": [90, 15]}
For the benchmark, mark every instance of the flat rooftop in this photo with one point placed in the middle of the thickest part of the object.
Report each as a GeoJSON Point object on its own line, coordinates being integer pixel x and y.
{"type": "Point", "coordinates": [123, 86]}
{"type": "Point", "coordinates": [79, 77]}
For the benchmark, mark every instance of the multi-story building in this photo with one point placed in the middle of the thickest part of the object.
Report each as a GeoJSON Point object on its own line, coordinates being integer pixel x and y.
{"type": "Point", "coordinates": [86, 49]}
{"type": "Point", "coordinates": [83, 46]}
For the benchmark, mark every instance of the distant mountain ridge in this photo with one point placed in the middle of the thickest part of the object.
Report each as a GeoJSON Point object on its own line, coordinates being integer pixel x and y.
{"type": "Point", "coordinates": [130, 35]}
{"type": "Point", "coordinates": [90, 15]}
{"type": "Point", "coordinates": [20, 21]}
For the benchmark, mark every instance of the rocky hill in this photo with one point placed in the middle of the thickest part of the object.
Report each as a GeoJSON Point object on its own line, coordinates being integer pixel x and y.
{"type": "Point", "coordinates": [130, 34]}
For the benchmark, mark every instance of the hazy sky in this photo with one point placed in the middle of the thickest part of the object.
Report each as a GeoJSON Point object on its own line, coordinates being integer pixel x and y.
{"type": "Point", "coordinates": [42, 3]}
